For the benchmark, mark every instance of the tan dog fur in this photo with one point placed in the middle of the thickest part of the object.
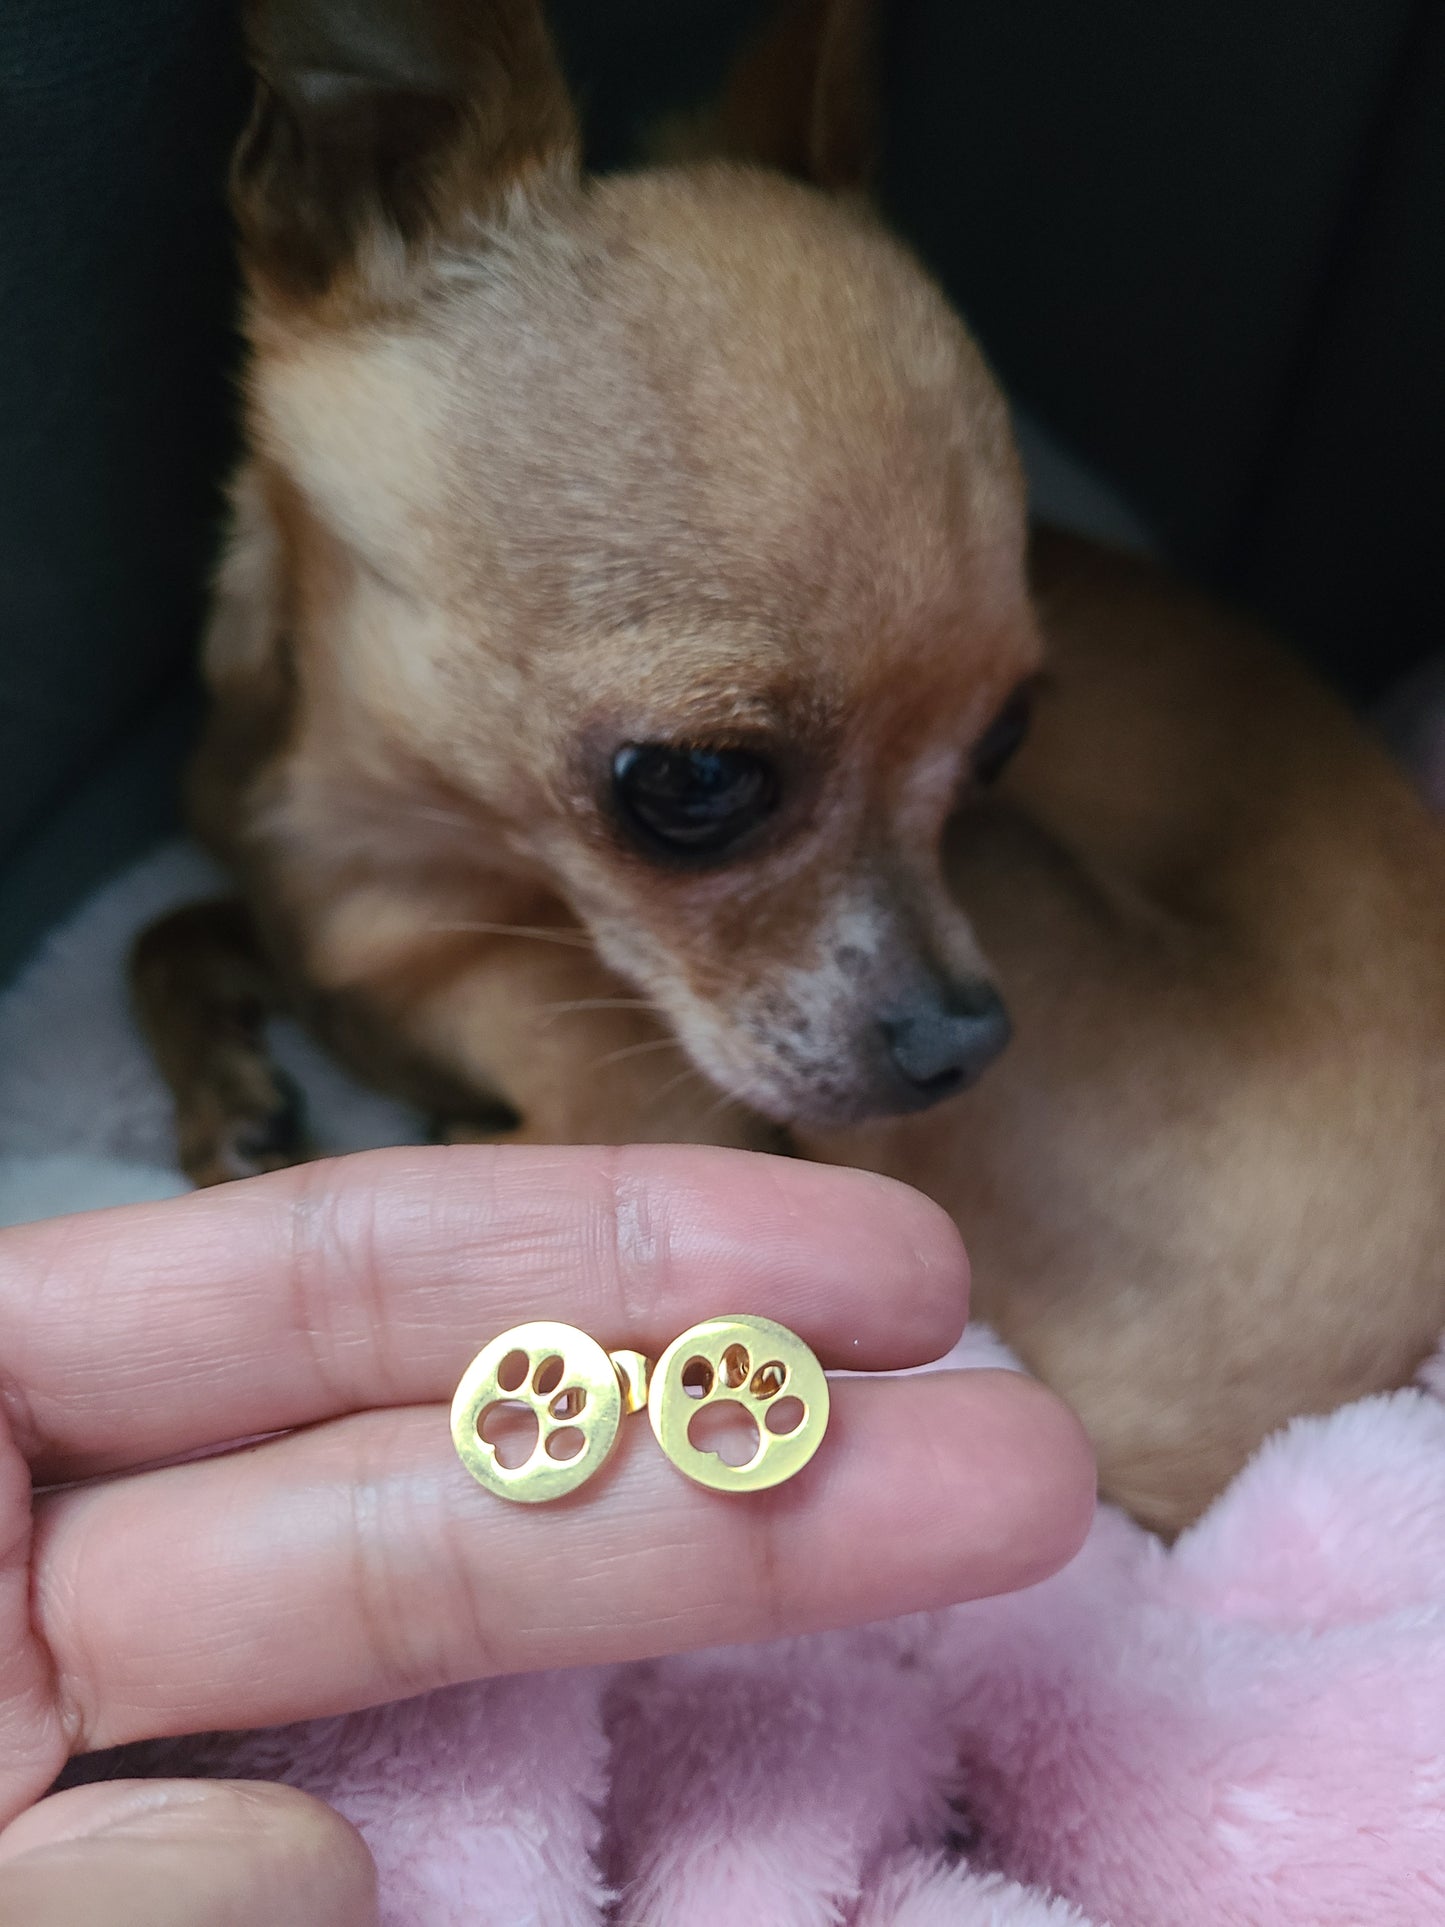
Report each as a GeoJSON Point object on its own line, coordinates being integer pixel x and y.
{"type": "Point", "coordinates": [539, 465]}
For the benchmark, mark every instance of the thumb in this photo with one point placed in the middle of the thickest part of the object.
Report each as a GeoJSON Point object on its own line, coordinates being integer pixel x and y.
{"type": "Point", "coordinates": [184, 1853]}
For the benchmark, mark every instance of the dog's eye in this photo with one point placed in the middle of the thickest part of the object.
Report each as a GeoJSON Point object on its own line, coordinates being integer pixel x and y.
{"type": "Point", "coordinates": [691, 802]}
{"type": "Point", "coordinates": [995, 749]}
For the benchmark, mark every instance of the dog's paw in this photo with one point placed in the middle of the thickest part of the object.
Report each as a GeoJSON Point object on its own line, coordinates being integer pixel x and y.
{"type": "Point", "coordinates": [743, 1132]}
{"type": "Point", "coordinates": [248, 1118]}
{"type": "Point", "coordinates": [497, 1124]}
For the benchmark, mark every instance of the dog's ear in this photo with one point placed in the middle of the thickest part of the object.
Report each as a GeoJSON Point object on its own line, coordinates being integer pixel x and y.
{"type": "Point", "coordinates": [804, 96]}
{"type": "Point", "coordinates": [382, 125]}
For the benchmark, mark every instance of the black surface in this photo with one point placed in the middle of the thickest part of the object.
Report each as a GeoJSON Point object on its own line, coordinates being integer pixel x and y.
{"type": "Point", "coordinates": [115, 297]}
{"type": "Point", "coordinates": [1205, 241]}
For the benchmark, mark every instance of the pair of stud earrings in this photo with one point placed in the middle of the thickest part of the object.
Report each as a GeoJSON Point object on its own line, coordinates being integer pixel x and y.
{"type": "Point", "coordinates": [578, 1395]}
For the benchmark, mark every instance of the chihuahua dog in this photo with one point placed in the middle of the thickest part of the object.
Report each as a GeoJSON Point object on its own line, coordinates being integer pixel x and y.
{"type": "Point", "coordinates": [620, 671]}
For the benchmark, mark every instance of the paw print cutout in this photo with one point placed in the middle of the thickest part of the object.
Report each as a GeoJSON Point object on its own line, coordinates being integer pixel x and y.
{"type": "Point", "coordinates": [538, 1409]}
{"type": "Point", "coordinates": [725, 1374]}
{"type": "Point", "coordinates": [537, 1412]}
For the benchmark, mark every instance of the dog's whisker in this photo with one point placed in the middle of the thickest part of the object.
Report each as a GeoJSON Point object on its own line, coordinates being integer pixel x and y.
{"type": "Point", "coordinates": [635, 1050]}
{"type": "Point", "coordinates": [726, 1102]}
{"type": "Point", "coordinates": [547, 1012]}
{"type": "Point", "coordinates": [435, 813]}
{"type": "Point", "coordinates": [569, 939]}
{"type": "Point", "coordinates": [688, 1072]}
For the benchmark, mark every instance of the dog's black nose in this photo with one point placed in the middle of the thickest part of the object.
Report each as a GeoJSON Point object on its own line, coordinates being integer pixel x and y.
{"type": "Point", "coordinates": [940, 1047]}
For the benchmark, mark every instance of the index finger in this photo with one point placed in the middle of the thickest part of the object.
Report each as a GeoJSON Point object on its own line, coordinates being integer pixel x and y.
{"type": "Point", "coordinates": [152, 1331]}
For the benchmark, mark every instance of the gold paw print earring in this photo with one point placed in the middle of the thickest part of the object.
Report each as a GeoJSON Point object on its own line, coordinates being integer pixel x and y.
{"type": "Point", "coordinates": [570, 1397]}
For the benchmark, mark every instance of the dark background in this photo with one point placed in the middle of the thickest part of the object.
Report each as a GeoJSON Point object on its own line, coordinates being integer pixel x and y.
{"type": "Point", "coordinates": [1203, 241]}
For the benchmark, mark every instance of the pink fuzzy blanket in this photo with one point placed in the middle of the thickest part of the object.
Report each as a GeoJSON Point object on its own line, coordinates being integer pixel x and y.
{"type": "Point", "coordinates": [1247, 1730]}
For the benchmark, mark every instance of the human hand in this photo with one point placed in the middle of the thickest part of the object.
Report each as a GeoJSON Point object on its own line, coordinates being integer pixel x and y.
{"type": "Point", "coordinates": [351, 1560]}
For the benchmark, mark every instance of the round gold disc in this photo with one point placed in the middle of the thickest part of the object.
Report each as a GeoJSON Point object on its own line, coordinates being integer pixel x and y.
{"type": "Point", "coordinates": [544, 1378]}
{"type": "Point", "coordinates": [759, 1369]}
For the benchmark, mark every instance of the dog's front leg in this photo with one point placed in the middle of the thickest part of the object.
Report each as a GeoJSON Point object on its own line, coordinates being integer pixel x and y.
{"type": "Point", "coordinates": [511, 1030]}
{"type": "Point", "coordinates": [576, 1056]}
{"type": "Point", "coordinates": [203, 988]}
